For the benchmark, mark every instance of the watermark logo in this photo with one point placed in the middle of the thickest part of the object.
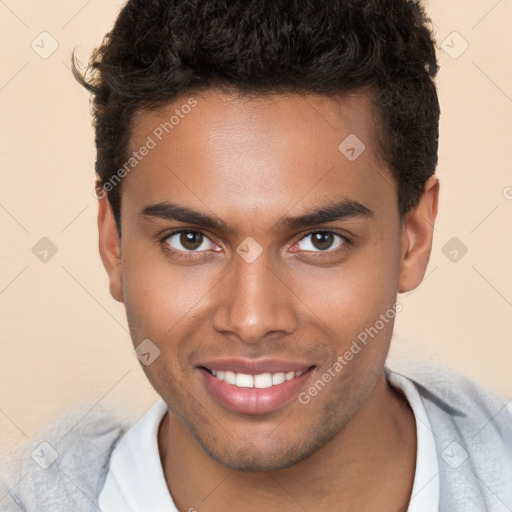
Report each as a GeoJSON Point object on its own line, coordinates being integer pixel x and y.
{"type": "Point", "coordinates": [44, 250]}
{"type": "Point", "coordinates": [352, 147]}
{"type": "Point", "coordinates": [146, 352]}
{"type": "Point", "coordinates": [454, 455]}
{"type": "Point", "coordinates": [454, 250]}
{"type": "Point", "coordinates": [44, 455]}
{"type": "Point", "coordinates": [45, 45]}
{"type": "Point", "coordinates": [249, 250]}
{"type": "Point", "coordinates": [454, 45]}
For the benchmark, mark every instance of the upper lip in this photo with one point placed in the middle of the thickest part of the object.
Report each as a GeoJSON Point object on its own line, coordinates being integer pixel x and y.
{"type": "Point", "coordinates": [256, 366]}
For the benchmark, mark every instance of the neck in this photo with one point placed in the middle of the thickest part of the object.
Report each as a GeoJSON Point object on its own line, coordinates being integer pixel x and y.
{"type": "Point", "coordinates": [369, 465]}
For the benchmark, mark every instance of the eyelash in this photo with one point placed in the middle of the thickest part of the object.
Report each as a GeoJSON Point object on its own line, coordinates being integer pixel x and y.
{"type": "Point", "coordinates": [191, 254]}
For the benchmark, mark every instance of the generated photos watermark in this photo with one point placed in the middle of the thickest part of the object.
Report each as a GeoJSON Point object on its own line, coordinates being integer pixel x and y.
{"type": "Point", "coordinates": [156, 136]}
{"type": "Point", "coordinates": [356, 346]}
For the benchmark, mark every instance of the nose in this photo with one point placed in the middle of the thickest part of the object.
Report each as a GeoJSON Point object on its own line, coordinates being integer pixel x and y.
{"type": "Point", "coordinates": [253, 301]}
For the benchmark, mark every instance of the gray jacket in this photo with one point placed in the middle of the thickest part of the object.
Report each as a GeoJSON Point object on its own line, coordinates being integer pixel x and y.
{"type": "Point", "coordinates": [472, 427]}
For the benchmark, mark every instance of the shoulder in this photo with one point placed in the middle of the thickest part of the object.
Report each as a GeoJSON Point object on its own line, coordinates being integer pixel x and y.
{"type": "Point", "coordinates": [472, 427]}
{"type": "Point", "coordinates": [456, 392]}
{"type": "Point", "coordinates": [450, 396]}
{"type": "Point", "coordinates": [66, 465]}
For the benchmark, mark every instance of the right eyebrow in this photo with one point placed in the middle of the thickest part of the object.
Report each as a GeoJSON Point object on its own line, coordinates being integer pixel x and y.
{"type": "Point", "coordinates": [172, 211]}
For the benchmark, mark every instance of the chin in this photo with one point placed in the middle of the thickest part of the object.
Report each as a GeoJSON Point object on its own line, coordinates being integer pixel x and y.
{"type": "Point", "coordinates": [254, 461]}
{"type": "Point", "coordinates": [272, 456]}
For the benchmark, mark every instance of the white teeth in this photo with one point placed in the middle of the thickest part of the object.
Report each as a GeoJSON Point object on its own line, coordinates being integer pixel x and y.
{"type": "Point", "coordinates": [264, 380]}
{"type": "Point", "coordinates": [260, 381]}
{"type": "Point", "coordinates": [244, 381]}
{"type": "Point", "coordinates": [278, 378]}
{"type": "Point", "coordinates": [230, 377]}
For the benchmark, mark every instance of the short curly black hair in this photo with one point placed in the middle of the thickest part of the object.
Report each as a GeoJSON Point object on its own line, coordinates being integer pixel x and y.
{"type": "Point", "coordinates": [159, 50]}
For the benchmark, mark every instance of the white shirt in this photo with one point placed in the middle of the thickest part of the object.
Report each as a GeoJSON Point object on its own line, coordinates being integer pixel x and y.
{"type": "Point", "coordinates": [135, 481]}
{"type": "Point", "coordinates": [425, 489]}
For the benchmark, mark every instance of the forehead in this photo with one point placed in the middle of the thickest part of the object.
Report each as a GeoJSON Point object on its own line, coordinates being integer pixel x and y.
{"type": "Point", "coordinates": [256, 155]}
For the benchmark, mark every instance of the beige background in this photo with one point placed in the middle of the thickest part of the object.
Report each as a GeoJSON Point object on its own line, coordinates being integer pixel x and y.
{"type": "Point", "coordinates": [64, 340]}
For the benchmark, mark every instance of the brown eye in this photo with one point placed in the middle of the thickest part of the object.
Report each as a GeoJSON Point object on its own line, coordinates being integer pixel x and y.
{"type": "Point", "coordinates": [191, 240]}
{"type": "Point", "coordinates": [187, 241]}
{"type": "Point", "coordinates": [320, 241]}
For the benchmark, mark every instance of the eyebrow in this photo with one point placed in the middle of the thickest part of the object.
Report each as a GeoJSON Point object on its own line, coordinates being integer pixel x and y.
{"type": "Point", "coordinates": [173, 211]}
{"type": "Point", "coordinates": [340, 210]}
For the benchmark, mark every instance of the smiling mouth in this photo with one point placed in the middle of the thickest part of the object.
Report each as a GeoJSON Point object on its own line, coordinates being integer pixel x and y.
{"type": "Point", "coordinates": [258, 381]}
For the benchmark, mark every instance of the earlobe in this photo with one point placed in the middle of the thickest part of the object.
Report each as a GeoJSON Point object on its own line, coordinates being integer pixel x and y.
{"type": "Point", "coordinates": [109, 245]}
{"type": "Point", "coordinates": [417, 234]}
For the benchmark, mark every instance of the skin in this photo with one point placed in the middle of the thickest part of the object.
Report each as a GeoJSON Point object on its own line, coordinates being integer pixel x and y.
{"type": "Point", "coordinates": [251, 163]}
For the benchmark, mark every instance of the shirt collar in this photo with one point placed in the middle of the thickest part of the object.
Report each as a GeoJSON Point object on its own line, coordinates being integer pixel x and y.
{"type": "Point", "coordinates": [136, 480]}
{"type": "Point", "coordinates": [425, 491]}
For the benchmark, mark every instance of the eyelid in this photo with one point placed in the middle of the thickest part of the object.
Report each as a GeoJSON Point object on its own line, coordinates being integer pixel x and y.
{"type": "Point", "coordinates": [170, 234]}
{"type": "Point", "coordinates": [345, 240]}
{"type": "Point", "coordinates": [324, 230]}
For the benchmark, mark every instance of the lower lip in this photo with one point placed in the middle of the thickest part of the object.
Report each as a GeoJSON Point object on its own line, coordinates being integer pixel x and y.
{"type": "Point", "coordinates": [253, 400]}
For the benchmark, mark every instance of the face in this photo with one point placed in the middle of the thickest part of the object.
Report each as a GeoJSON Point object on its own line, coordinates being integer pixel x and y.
{"type": "Point", "coordinates": [255, 251]}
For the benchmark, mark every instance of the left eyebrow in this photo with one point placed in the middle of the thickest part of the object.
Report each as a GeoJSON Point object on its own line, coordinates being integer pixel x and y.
{"type": "Point", "coordinates": [340, 210]}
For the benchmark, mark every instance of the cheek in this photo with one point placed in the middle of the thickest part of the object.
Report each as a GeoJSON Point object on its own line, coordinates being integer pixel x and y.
{"type": "Point", "coordinates": [159, 296]}
{"type": "Point", "coordinates": [356, 304]}
{"type": "Point", "coordinates": [354, 295]}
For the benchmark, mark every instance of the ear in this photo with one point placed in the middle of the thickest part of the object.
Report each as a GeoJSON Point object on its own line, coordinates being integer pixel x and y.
{"type": "Point", "coordinates": [109, 243]}
{"type": "Point", "coordinates": [417, 233]}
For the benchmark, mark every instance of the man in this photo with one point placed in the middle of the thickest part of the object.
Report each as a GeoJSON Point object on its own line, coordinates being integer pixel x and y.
{"type": "Point", "coordinates": [266, 190]}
